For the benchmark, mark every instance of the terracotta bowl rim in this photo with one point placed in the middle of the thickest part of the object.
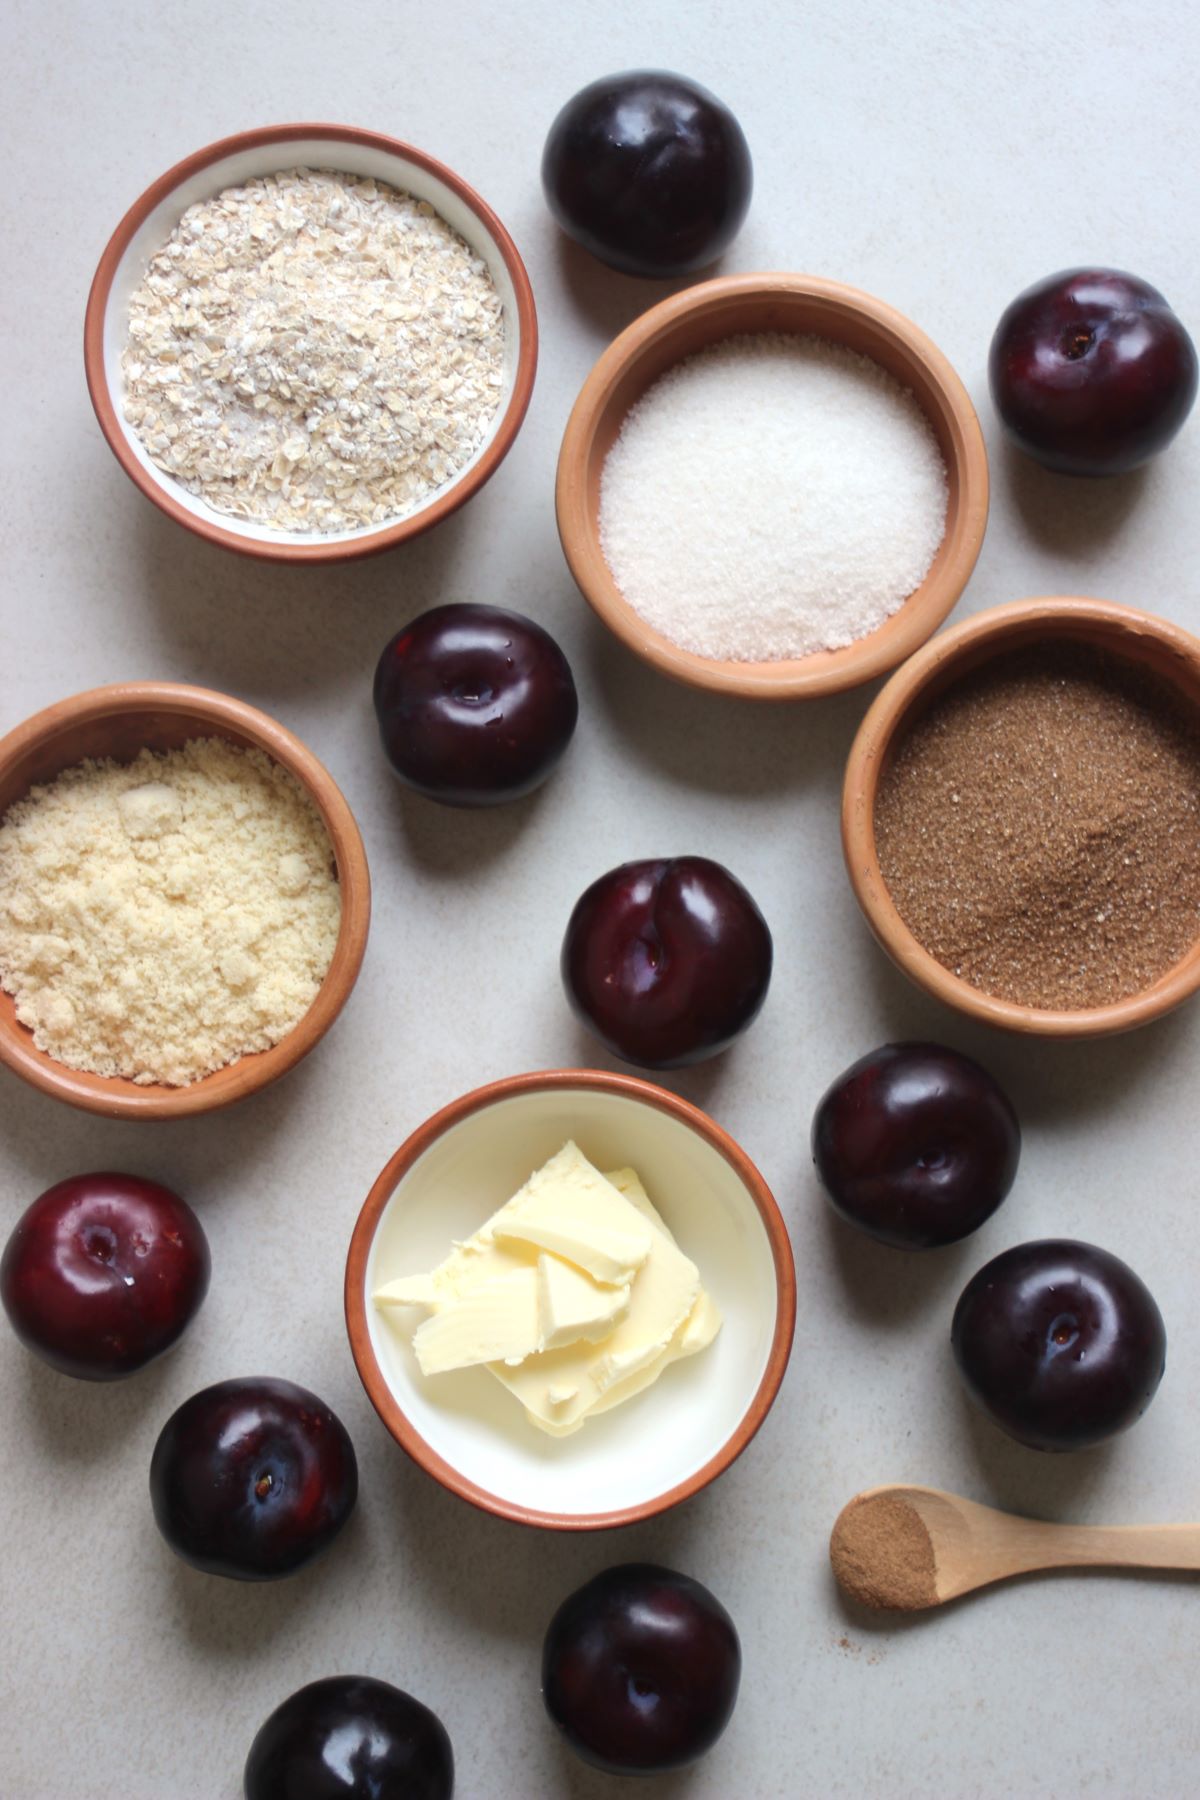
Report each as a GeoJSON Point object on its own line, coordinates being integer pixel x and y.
{"type": "Point", "coordinates": [825, 672]}
{"type": "Point", "coordinates": [161, 490]}
{"type": "Point", "coordinates": [371, 1375]}
{"type": "Point", "coordinates": [117, 1096]}
{"type": "Point", "coordinates": [1102, 622]}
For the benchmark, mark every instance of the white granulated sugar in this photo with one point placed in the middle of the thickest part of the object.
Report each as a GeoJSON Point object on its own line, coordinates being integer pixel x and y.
{"type": "Point", "coordinates": [314, 351]}
{"type": "Point", "coordinates": [770, 497]}
{"type": "Point", "coordinates": [159, 919]}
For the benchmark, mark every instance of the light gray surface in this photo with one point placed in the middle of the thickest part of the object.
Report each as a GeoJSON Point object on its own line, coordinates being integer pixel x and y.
{"type": "Point", "coordinates": [942, 158]}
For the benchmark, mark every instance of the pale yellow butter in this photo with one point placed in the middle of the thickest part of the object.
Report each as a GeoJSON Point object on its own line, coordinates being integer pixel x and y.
{"type": "Point", "coordinates": [574, 1294]}
{"type": "Point", "coordinates": [494, 1322]}
{"type": "Point", "coordinates": [663, 1297]}
{"type": "Point", "coordinates": [572, 1306]}
{"type": "Point", "coordinates": [410, 1290]}
{"type": "Point", "coordinates": [570, 1209]}
{"type": "Point", "coordinates": [696, 1333]}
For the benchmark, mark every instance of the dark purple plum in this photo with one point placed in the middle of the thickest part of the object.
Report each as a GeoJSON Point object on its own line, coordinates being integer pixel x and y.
{"type": "Point", "coordinates": [1060, 1342]}
{"type": "Point", "coordinates": [1091, 372]}
{"type": "Point", "coordinates": [916, 1145]}
{"type": "Point", "coordinates": [350, 1737]}
{"type": "Point", "coordinates": [667, 960]}
{"type": "Point", "coordinates": [252, 1478]}
{"type": "Point", "coordinates": [640, 1670]}
{"type": "Point", "coordinates": [475, 705]}
{"type": "Point", "coordinates": [649, 172]}
{"type": "Point", "coordinates": [103, 1272]}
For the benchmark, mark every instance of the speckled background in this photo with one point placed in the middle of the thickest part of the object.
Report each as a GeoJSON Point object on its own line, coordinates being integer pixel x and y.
{"type": "Point", "coordinates": [942, 157]}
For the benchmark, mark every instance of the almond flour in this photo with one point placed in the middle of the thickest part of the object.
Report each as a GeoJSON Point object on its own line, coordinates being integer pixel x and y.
{"type": "Point", "coordinates": [161, 918]}
{"type": "Point", "coordinates": [313, 351]}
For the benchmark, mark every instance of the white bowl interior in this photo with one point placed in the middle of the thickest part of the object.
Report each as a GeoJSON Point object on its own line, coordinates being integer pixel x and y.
{"type": "Point", "coordinates": [663, 1435]}
{"type": "Point", "coordinates": [267, 159]}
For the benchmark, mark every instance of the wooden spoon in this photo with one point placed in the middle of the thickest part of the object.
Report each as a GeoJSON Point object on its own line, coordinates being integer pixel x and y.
{"type": "Point", "coordinates": [910, 1548]}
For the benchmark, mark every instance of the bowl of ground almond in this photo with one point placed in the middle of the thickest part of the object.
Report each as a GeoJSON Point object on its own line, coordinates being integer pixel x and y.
{"type": "Point", "coordinates": [184, 900]}
{"type": "Point", "coordinates": [773, 486]}
{"type": "Point", "coordinates": [310, 342]}
{"type": "Point", "coordinates": [1021, 817]}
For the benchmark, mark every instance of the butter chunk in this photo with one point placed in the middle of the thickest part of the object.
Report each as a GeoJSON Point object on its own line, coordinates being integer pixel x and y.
{"type": "Point", "coordinates": [408, 1290]}
{"type": "Point", "coordinates": [696, 1333]}
{"type": "Point", "coordinates": [629, 1183]}
{"type": "Point", "coordinates": [572, 1306]}
{"type": "Point", "coordinates": [661, 1300]}
{"type": "Point", "coordinates": [496, 1322]}
{"type": "Point", "coordinates": [566, 1339]}
{"type": "Point", "coordinates": [701, 1325]}
{"type": "Point", "coordinates": [569, 1208]}
{"type": "Point", "coordinates": [618, 1365]}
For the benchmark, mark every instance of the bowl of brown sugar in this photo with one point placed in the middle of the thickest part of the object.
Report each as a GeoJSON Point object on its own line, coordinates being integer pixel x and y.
{"type": "Point", "coordinates": [1021, 817]}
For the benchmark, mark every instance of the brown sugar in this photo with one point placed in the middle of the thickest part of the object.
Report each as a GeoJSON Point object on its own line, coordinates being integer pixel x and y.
{"type": "Point", "coordinates": [882, 1554]}
{"type": "Point", "coordinates": [1038, 828]}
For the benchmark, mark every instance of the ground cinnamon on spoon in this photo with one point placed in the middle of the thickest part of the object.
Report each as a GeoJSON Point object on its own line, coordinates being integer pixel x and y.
{"type": "Point", "coordinates": [882, 1554]}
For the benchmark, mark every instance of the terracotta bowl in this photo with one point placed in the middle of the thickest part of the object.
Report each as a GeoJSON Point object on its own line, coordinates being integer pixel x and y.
{"type": "Point", "coordinates": [150, 221]}
{"type": "Point", "coordinates": [117, 722]}
{"type": "Point", "coordinates": [1137, 637]}
{"type": "Point", "coordinates": [703, 315]}
{"type": "Point", "coordinates": [666, 1443]}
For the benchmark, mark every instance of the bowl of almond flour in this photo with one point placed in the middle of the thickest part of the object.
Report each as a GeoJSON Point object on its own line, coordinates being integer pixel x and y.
{"type": "Point", "coordinates": [310, 343]}
{"type": "Point", "coordinates": [184, 900]}
{"type": "Point", "coordinates": [773, 486]}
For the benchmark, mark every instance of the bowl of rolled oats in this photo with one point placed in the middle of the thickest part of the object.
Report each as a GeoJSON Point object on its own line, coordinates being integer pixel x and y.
{"type": "Point", "coordinates": [309, 342]}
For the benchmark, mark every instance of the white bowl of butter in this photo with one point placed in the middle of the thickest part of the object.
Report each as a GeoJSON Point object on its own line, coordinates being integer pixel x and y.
{"type": "Point", "coordinates": [571, 1298]}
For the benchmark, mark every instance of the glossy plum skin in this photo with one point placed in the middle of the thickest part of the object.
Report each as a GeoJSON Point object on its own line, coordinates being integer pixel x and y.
{"type": "Point", "coordinates": [103, 1272]}
{"type": "Point", "coordinates": [1060, 1342]}
{"type": "Point", "coordinates": [252, 1478]}
{"type": "Point", "coordinates": [1091, 372]}
{"type": "Point", "coordinates": [666, 960]}
{"type": "Point", "coordinates": [649, 172]}
{"type": "Point", "coordinates": [350, 1737]}
{"type": "Point", "coordinates": [916, 1145]}
{"type": "Point", "coordinates": [475, 705]}
{"type": "Point", "coordinates": [640, 1670]}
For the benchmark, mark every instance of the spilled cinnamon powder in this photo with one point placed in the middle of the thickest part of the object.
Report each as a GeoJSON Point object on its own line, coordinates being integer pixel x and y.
{"type": "Point", "coordinates": [882, 1554]}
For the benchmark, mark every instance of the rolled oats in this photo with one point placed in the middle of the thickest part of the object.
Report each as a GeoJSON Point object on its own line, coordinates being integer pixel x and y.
{"type": "Point", "coordinates": [313, 351]}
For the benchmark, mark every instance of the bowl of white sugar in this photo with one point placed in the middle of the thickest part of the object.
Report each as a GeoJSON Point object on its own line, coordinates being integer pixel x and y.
{"type": "Point", "coordinates": [773, 486]}
{"type": "Point", "coordinates": [310, 343]}
{"type": "Point", "coordinates": [184, 900]}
